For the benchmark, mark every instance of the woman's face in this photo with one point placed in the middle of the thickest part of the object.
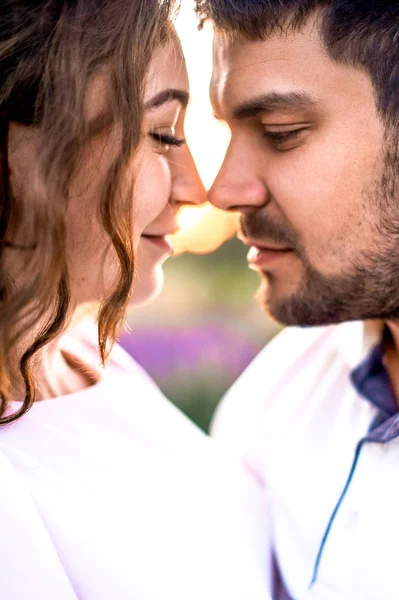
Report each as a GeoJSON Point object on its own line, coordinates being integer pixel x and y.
{"type": "Point", "coordinates": [166, 178]}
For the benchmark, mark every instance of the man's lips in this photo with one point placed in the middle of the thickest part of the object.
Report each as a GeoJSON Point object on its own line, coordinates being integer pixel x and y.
{"type": "Point", "coordinates": [262, 253]}
{"type": "Point", "coordinates": [263, 245]}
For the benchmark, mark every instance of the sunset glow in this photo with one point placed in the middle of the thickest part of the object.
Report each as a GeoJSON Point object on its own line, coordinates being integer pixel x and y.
{"type": "Point", "coordinates": [203, 228]}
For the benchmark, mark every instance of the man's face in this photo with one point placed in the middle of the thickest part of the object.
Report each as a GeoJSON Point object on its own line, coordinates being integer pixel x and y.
{"type": "Point", "coordinates": [312, 177]}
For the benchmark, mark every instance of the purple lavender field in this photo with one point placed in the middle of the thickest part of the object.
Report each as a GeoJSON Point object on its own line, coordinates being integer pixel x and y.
{"type": "Point", "coordinates": [170, 352]}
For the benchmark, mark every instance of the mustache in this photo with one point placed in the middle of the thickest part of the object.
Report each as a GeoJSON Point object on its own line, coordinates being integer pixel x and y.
{"type": "Point", "coordinates": [257, 225]}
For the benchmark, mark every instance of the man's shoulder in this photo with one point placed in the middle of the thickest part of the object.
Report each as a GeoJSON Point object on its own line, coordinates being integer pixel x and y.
{"type": "Point", "coordinates": [290, 345]}
{"type": "Point", "coordinates": [293, 348]}
{"type": "Point", "coordinates": [290, 365]}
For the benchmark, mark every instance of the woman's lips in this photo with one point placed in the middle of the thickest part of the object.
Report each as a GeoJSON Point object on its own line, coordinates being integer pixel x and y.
{"type": "Point", "coordinates": [160, 242]}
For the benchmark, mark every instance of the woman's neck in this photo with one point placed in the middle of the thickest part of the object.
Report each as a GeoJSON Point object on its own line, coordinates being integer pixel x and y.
{"type": "Point", "coordinates": [61, 374]}
{"type": "Point", "coordinates": [58, 372]}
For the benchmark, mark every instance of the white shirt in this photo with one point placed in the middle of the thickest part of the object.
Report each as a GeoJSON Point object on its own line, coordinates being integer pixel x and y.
{"type": "Point", "coordinates": [296, 420]}
{"type": "Point", "coordinates": [112, 494]}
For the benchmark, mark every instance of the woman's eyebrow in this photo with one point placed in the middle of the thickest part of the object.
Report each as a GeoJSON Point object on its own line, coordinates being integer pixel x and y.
{"type": "Point", "coordinates": [166, 96]}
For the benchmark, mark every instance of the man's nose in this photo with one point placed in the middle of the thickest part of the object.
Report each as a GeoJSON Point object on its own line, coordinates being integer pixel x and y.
{"type": "Point", "coordinates": [237, 185]}
{"type": "Point", "coordinates": [187, 187]}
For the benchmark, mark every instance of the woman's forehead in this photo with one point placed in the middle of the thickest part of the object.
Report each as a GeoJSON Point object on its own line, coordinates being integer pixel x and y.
{"type": "Point", "coordinates": [167, 70]}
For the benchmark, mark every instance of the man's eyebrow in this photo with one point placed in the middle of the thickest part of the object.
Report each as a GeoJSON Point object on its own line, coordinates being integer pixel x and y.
{"type": "Point", "coordinates": [273, 102]}
{"type": "Point", "coordinates": [168, 96]}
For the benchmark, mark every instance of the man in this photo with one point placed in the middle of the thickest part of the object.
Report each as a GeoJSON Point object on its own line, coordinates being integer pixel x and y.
{"type": "Point", "coordinates": [310, 91]}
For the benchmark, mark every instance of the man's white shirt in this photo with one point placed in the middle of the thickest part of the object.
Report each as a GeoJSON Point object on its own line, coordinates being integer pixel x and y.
{"type": "Point", "coordinates": [297, 422]}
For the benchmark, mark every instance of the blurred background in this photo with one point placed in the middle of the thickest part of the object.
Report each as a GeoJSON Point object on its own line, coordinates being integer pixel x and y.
{"type": "Point", "coordinates": [206, 327]}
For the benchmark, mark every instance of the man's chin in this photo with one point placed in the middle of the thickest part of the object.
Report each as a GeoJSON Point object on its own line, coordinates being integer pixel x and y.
{"type": "Point", "coordinates": [279, 307]}
{"type": "Point", "coordinates": [312, 299]}
{"type": "Point", "coordinates": [270, 305]}
{"type": "Point", "coordinates": [275, 310]}
{"type": "Point", "coordinates": [279, 293]}
{"type": "Point", "coordinates": [294, 310]}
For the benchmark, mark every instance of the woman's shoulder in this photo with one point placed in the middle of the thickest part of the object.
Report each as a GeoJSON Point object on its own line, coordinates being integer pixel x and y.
{"type": "Point", "coordinates": [124, 404]}
{"type": "Point", "coordinates": [82, 340]}
{"type": "Point", "coordinates": [131, 394]}
{"type": "Point", "coordinates": [28, 546]}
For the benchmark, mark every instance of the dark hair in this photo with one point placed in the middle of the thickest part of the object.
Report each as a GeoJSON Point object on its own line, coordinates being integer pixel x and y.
{"type": "Point", "coordinates": [362, 33]}
{"type": "Point", "coordinates": [49, 52]}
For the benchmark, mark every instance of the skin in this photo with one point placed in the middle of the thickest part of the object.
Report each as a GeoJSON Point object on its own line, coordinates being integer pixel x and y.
{"type": "Point", "coordinates": [315, 205]}
{"type": "Point", "coordinates": [166, 179]}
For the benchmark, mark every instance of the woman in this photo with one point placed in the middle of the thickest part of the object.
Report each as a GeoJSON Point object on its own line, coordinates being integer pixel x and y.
{"type": "Point", "coordinates": [107, 491]}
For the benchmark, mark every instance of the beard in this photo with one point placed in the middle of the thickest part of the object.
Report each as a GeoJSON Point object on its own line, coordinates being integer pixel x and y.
{"type": "Point", "coordinates": [367, 289]}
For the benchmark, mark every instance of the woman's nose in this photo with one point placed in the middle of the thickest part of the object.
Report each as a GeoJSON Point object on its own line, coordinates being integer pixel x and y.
{"type": "Point", "coordinates": [187, 187]}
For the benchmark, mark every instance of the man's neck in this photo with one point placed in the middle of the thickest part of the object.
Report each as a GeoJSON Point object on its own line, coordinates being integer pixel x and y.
{"type": "Point", "coordinates": [391, 356]}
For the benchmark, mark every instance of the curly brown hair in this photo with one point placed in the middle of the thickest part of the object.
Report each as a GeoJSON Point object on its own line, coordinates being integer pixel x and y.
{"type": "Point", "coordinates": [49, 52]}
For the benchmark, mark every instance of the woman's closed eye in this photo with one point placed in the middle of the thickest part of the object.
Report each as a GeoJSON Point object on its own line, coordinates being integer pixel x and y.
{"type": "Point", "coordinates": [165, 141]}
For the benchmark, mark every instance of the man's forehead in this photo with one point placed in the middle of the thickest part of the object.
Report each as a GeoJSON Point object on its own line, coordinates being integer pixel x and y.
{"type": "Point", "coordinates": [243, 68]}
{"type": "Point", "coordinates": [230, 55]}
{"type": "Point", "coordinates": [288, 74]}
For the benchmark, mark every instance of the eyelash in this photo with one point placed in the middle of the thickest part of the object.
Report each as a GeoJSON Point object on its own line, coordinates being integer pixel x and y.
{"type": "Point", "coordinates": [284, 136]}
{"type": "Point", "coordinates": [167, 140]}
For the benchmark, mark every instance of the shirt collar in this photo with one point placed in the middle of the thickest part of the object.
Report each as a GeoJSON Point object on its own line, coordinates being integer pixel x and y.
{"type": "Point", "coordinates": [356, 339]}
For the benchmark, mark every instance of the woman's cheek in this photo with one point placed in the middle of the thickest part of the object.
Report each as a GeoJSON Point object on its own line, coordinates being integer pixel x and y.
{"type": "Point", "coordinates": [152, 193]}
